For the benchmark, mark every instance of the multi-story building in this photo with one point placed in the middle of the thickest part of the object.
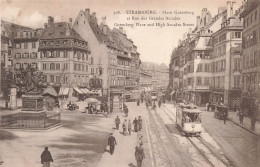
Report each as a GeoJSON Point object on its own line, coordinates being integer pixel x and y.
{"type": "Point", "coordinates": [250, 60]}
{"type": "Point", "coordinates": [145, 80]}
{"type": "Point", "coordinates": [226, 59]}
{"type": "Point", "coordinates": [191, 62]}
{"type": "Point", "coordinates": [159, 73]}
{"type": "Point", "coordinates": [25, 46]}
{"type": "Point", "coordinates": [111, 59]}
{"type": "Point", "coordinates": [64, 56]}
{"type": "Point", "coordinates": [6, 45]}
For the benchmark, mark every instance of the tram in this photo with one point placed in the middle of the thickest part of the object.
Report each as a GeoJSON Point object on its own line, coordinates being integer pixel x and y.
{"type": "Point", "coordinates": [154, 95]}
{"type": "Point", "coordinates": [188, 119]}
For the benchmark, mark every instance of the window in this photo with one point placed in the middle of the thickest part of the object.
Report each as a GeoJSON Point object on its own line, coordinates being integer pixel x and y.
{"type": "Point", "coordinates": [52, 66]}
{"type": "Point", "coordinates": [25, 55]}
{"type": "Point", "coordinates": [92, 71]}
{"type": "Point", "coordinates": [52, 78]}
{"type": "Point", "coordinates": [75, 67]}
{"type": "Point", "coordinates": [236, 81]}
{"type": "Point", "coordinates": [18, 46]}
{"type": "Point", "coordinates": [18, 55]}
{"type": "Point", "coordinates": [206, 81]}
{"type": "Point", "coordinates": [57, 66]}
{"type": "Point", "coordinates": [57, 79]}
{"type": "Point", "coordinates": [33, 55]}
{"type": "Point", "coordinates": [44, 66]}
{"type": "Point", "coordinates": [25, 45]}
{"type": "Point", "coordinates": [92, 60]}
{"type": "Point", "coordinates": [198, 82]}
{"type": "Point", "coordinates": [237, 34]}
{"type": "Point", "coordinates": [65, 54]}
{"type": "Point", "coordinates": [33, 44]}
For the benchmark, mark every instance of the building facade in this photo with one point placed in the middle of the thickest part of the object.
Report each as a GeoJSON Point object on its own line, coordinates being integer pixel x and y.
{"type": "Point", "coordinates": [250, 60]}
{"type": "Point", "coordinates": [63, 56]}
{"type": "Point", "coordinates": [226, 61]}
{"type": "Point", "coordinates": [205, 64]}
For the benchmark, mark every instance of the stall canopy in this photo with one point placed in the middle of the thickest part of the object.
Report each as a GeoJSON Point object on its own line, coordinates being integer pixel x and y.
{"type": "Point", "coordinates": [63, 91]}
{"type": "Point", "coordinates": [78, 90]}
{"type": "Point", "coordinates": [50, 90]}
{"type": "Point", "coordinates": [84, 91]}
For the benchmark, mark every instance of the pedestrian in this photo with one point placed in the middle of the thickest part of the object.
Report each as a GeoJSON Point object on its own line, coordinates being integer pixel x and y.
{"type": "Point", "coordinates": [139, 155]}
{"type": "Point", "coordinates": [138, 102]}
{"type": "Point", "coordinates": [129, 127]}
{"type": "Point", "coordinates": [111, 143]}
{"type": "Point", "coordinates": [124, 126]}
{"type": "Point", "coordinates": [126, 111]}
{"type": "Point", "coordinates": [225, 115]}
{"type": "Point", "coordinates": [135, 125]}
{"type": "Point", "coordinates": [241, 116]}
{"type": "Point", "coordinates": [117, 122]}
{"type": "Point", "coordinates": [159, 103]}
{"type": "Point", "coordinates": [46, 157]}
{"type": "Point", "coordinates": [140, 123]}
{"type": "Point", "coordinates": [253, 121]}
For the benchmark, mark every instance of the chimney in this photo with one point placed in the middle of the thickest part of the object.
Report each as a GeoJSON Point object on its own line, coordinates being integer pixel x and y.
{"type": "Point", "coordinates": [104, 20]}
{"type": "Point", "coordinates": [50, 20]}
{"type": "Point", "coordinates": [231, 8]}
{"type": "Point", "coordinates": [228, 9]}
{"type": "Point", "coordinates": [70, 22]}
{"type": "Point", "coordinates": [121, 30]}
{"type": "Point", "coordinates": [87, 11]}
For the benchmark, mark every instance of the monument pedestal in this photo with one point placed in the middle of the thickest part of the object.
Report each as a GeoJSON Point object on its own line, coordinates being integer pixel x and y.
{"type": "Point", "coordinates": [32, 103]}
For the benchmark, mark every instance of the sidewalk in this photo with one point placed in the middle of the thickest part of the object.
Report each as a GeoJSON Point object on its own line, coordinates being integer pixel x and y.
{"type": "Point", "coordinates": [124, 151]}
{"type": "Point", "coordinates": [232, 116]}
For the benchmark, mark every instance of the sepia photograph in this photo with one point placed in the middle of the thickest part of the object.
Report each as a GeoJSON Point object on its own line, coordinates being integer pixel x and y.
{"type": "Point", "coordinates": [130, 83]}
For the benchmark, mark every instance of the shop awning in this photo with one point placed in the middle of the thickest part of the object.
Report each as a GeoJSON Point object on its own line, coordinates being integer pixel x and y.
{"type": "Point", "coordinates": [86, 90]}
{"type": "Point", "coordinates": [50, 90]}
{"type": "Point", "coordinates": [78, 90]}
{"type": "Point", "coordinates": [63, 91]}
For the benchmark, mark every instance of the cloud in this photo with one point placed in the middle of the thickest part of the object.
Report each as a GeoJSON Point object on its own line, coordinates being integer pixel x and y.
{"type": "Point", "coordinates": [34, 20]}
{"type": "Point", "coordinates": [9, 13]}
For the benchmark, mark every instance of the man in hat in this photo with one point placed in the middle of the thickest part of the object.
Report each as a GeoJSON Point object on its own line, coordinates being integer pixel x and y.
{"type": "Point", "coordinates": [117, 122]}
{"type": "Point", "coordinates": [111, 143]}
{"type": "Point", "coordinates": [140, 123]}
{"type": "Point", "coordinates": [139, 155]}
{"type": "Point", "coordinates": [46, 158]}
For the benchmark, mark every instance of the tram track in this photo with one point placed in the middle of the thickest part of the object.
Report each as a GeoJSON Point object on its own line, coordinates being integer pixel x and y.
{"type": "Point", "coordinates": [165, 143]}
{"type": "Point", "coordinates": [212, 158]}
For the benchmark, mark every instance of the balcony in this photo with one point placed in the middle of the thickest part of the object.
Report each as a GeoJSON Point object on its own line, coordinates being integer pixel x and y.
{"type": "Point", "coordinates": [202, 87]}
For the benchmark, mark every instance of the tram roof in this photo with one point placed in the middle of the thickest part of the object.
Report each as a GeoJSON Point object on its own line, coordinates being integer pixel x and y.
{"type": "Point", "coordinates": [192, 110]}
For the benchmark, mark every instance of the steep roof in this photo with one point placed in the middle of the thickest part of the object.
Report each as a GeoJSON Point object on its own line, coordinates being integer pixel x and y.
{"type": "Point", "coordinates": [60, 30]}
{"type": "Point", "coordinates": [11, 28]}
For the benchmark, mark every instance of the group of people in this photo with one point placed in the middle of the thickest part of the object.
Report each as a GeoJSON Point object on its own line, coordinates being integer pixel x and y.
{"type": "Point", "coordinates": [127, 125]}
{"type": "Point", "coordinates": [95, 108]}
{"type": "Point", "coordinates": [139, 151]}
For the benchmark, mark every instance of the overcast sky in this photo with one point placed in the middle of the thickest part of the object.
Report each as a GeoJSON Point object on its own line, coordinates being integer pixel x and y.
{"type": "Point", "coordinates": [154, 44]}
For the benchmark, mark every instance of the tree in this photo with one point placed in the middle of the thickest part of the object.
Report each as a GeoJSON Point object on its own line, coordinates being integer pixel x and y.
{"type": "Point", "coordinates": [26, 80]}
{"type": "Point", "coordinates": [7, 81]}
{"type": "Point", "coordinates": [95, 83]}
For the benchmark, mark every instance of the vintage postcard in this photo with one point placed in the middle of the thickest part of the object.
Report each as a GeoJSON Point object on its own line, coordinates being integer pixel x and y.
{"type": "Point", "coordinates": [130, 83]}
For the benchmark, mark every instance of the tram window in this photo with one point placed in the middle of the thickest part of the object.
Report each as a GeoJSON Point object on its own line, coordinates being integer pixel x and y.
{"type": "Point", "coordinates": [195, 117]}
{"type": "Point", "coordinates": [186, 117]}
